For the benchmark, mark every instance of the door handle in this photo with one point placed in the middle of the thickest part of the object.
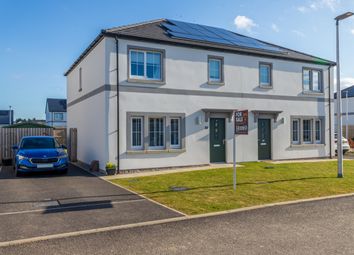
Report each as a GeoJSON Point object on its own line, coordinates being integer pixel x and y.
{"type": "Point", "coordinates": [223, 141]}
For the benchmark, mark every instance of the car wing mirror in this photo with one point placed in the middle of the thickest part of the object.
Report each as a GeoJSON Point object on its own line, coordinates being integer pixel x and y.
{"type": "Point", "coordinates": [15, 147]}
{"type": "Point", "coordinates": [63, 146]}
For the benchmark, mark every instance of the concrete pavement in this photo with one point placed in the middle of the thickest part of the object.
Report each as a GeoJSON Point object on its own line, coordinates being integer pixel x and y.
{"type": "Point", "coordinates": [319, 227]}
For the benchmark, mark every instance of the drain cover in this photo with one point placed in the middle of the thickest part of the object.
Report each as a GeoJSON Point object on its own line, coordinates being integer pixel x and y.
{"type": "Point", "coordinates": [177, 188]}
{"type": "Point", "coordinates": [269, 167]}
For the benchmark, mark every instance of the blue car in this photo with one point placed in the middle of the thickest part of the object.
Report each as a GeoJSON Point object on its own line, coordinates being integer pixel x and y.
{"type": "Point", "coordinates": [39, 154]}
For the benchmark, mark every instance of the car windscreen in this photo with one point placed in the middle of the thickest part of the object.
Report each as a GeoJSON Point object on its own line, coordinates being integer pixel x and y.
{"type": "Point", "coordinates": [39, 143]}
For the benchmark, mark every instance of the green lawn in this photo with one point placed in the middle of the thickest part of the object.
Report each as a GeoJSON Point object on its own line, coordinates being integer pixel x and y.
{"type": "Point", "coordinates": [257, 183]}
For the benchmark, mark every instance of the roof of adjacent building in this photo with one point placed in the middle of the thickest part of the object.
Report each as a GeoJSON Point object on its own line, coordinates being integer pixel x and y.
{"type": "Point", "coordinates": [56, 105]}
{"type": "Point", "coordinates": [349, 90]}
{"type": "Point", "coordinates": [155, 31]}
{"type": "Point", "coordinates": [5, 117]}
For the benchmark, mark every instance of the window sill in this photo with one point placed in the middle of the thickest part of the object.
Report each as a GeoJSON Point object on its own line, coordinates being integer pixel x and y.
{"type": "Point", "coordinates": [312, 93]}
{"type": "Point", "coordinates": [158, 82]}
{"type": "Point", "coordinates": [156, 151]}
{"type": "Point", "coordinates": [215, 83]}
{"type": "Point", "coordinates": [307, 145]}
{"type": "Point", "coordinates": [265, 86]}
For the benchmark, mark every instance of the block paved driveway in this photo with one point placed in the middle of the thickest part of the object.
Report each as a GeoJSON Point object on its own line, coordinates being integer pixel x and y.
{"type": "Point", "coordinates": [38, 205]}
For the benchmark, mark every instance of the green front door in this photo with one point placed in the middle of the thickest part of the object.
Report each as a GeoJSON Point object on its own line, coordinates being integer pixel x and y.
{"type": "Point", "coordinates": [264, 140]}
{"type": "Point", "coordinates": [217, 140]}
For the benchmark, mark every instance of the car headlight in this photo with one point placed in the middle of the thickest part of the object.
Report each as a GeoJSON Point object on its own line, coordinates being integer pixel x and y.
{"type": "Point", "coordinates": [20, 157]}
{"type": "Point", "coordinates": [63, 156]}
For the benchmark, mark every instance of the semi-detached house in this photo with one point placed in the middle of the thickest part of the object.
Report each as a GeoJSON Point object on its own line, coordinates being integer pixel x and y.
{"type": "Point", "coordinates": [178, 85]}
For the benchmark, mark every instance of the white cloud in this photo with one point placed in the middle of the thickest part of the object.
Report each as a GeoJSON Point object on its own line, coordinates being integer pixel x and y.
{"type": "Point", "coordinates": [302, 9]}
{"type": "Point", "coordinates": [346, 82]}
{"type": "Point", "coordinates": [298, 33]}
{"type": "Point", "coordinates": [275, 28]}
{"type": "Point", "coordinates": [352, 31]}
{"type": "Point", "coordinates": [244, 23]}
{"type": "Point", "coordinates": [316, 5]}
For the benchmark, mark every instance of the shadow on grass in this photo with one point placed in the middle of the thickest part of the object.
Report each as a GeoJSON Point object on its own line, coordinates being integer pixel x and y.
{"type": "Point", "coordinates": [238, 184]}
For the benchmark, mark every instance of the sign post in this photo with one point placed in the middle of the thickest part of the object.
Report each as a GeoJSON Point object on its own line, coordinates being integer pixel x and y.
{"type": "Point", "coordinates": [241, 128]}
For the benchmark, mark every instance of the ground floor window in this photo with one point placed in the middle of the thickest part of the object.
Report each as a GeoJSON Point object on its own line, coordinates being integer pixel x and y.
{"type": "Point", "coordinates": [307, 130]}
{"type": "Point", "coordinates": [296, 131]}
{"type": "Point", "coordinates": [175, 132]}
{"type": "Point", "coordinates": [137, 132]}
{"type": "Point", "coordinates": [155, 131]}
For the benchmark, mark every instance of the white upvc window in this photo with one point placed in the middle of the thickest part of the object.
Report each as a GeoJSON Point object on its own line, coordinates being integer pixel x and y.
{"type": "Point", "coordinates": [145, 65]}
{"type": "Point", "coordinates": [137, 126]}
{"type": "Point", "coordinates": [265, 74]}
{"type": "Point", "coordinates": [318, 131]}
{"type": "Point", "coordinates": [156, 133]}
{"type": "Point", "coordinates": [175, 133]}
{"type": "Point", "coordinates": [295, 131]}
{"type": "Point", "coordinates": [215, 69]}
{"type": "Point", "coordinates": [307, 130]}
{"type": "Point", "coordinates": [58, 116]}
{"type": "Point", "coordinates": [312, 80]}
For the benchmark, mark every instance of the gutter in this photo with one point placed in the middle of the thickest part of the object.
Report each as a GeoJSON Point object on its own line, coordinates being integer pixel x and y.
{"type": "Point", "coordinates": [330, 112]}
{"type": "Point", "coordinates": [117, 75]}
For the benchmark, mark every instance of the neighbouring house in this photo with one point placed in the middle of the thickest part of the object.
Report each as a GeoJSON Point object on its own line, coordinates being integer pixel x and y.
{"type": "Point", "coordinates": [6, 117]}
{"type": "Point", "coordinates": [347, 111]}
{"type": "Point", "coordinates": [179, 84]}
{"type": "Point", "coordinates": [55, 112]}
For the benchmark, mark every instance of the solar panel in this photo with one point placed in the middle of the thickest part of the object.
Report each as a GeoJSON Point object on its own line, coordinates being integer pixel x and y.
{"type": "Point", "coordinates": [185, 30]}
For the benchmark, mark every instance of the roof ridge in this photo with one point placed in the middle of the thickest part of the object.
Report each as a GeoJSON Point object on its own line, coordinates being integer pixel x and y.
{"type": "Point", "coordinates": [113, 29]}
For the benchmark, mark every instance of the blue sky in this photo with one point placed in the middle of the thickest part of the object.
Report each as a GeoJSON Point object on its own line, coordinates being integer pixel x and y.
{"type": "Point", "coordinates": [41, 38]}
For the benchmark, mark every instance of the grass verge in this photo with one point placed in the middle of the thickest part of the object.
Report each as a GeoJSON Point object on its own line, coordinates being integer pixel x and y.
{"type": "Point", "coordinates": [257, 183]}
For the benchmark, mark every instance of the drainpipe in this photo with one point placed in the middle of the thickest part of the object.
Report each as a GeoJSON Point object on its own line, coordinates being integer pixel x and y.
{"type": "Point", "coordinates": [118, 133]}
{"type": "Point", "coordinates": [330, 112]}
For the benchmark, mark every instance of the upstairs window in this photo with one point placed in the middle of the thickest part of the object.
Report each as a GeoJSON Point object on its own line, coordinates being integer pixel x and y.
{"type": "Point", "coordinates": [59, 116]}
{"type": "Point", "coordinates": [80, 79]}
{"type": "Point", "coordinates": [215, 70]}
{"type": "Point", "coordinates": [145, 65]}
{"type": "Point", "coordinates": [312, 80]}
{"type": "Point", "coordinates": [265, 74]}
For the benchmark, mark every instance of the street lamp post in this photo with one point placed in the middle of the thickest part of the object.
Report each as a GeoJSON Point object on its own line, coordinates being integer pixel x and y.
{"type": "Point", "coordinates": [10, 115]}
{"type": "Point", "coordinates": [346, 117]}
{"type": "Point", "coordinates": [339, 99]}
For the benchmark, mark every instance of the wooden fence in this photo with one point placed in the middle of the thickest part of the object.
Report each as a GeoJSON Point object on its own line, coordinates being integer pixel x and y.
{"type": "Point", "coordinates": [12, 136]}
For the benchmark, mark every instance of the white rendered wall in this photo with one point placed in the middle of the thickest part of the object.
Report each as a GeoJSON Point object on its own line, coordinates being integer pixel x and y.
{"type": "Point", "coordinates": [89, 116]}
{"type": "Point", "coordinates": [187, 69]}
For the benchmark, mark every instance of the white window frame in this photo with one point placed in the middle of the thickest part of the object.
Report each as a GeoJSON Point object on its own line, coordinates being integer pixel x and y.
{"type": "Point", "coordinates": [311, 131]}
{"type": "Point", "coordinates": [58, 119]}
{"type": "Point", "coordinates": [320, 130]}
{"type": "Point", "coordinates": [298, 131]}
{"type": "Point", "coordinates": [144, 77]}
{"type": "Point", "coordinates": [175, 146]}
{"type": "Point", "coordinates": [164, 133]}
{"type": "Point", "coordinates": [140, 147]}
